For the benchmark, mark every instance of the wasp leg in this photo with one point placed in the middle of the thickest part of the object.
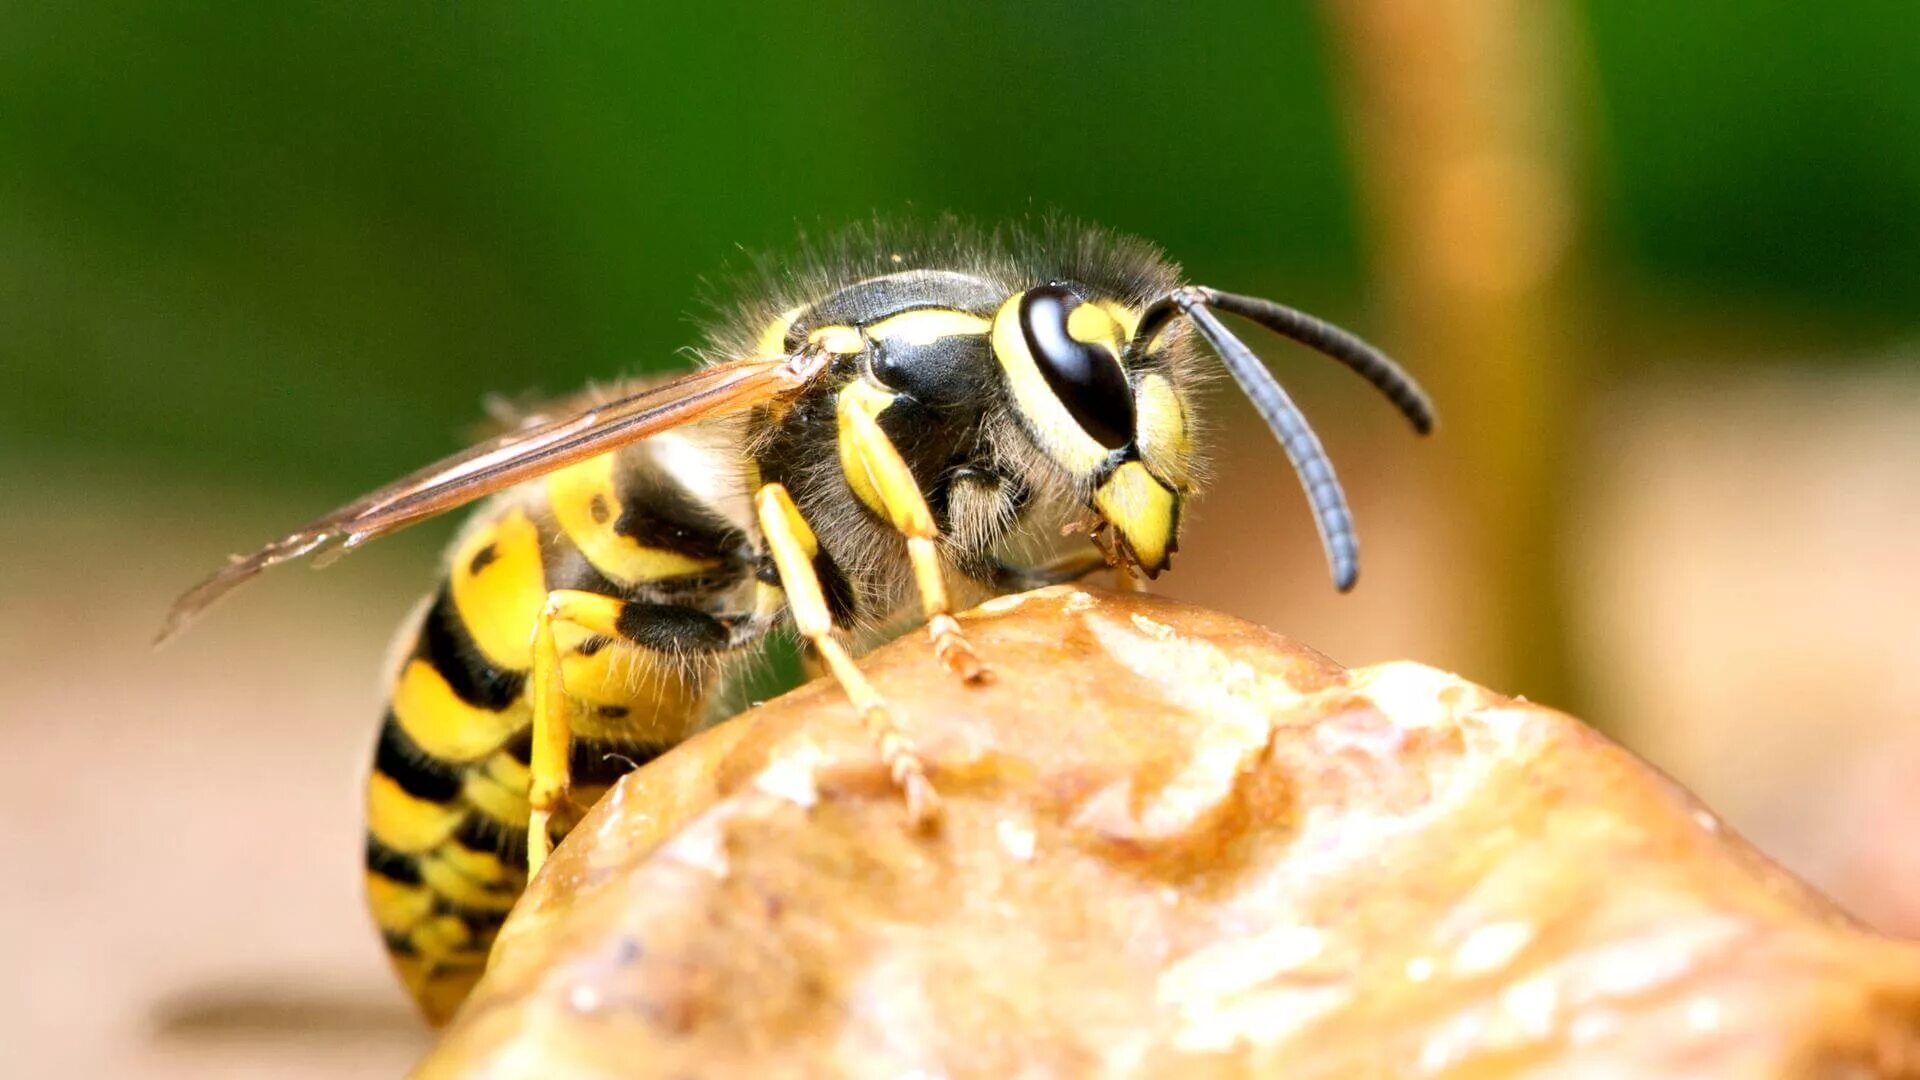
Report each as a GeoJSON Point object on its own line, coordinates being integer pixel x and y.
{"type": "Point", "coordinates": [793, 547]}
{"type": "Point", "coordinates": [657, 628]}
{"type": "Point", "coordinates": [885, 484]}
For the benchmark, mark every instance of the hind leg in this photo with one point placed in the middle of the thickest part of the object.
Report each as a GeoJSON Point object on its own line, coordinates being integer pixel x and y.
{"type": "Point", "coordinates": [657, 628]}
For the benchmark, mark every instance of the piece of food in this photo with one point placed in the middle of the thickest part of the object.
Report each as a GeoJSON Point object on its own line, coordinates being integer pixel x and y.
{"type": "Point", "coordinates": [1174, 844]}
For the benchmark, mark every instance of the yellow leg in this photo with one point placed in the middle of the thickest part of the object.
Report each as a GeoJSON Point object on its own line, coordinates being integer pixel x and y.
{"type": "Point", "coordinates": [552, 719]}
{"type": "Point", "coordinates": [881, 478]}
{"type": "Point", "coordinates": [793, 546]}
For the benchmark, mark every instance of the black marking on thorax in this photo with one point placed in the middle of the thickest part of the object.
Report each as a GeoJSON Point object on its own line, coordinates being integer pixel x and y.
{"type": "Point", "coordinates": [864, 303]}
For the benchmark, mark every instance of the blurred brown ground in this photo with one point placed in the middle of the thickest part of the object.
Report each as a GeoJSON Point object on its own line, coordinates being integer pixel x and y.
{"type": "Point", "coordinates": [181, 828]}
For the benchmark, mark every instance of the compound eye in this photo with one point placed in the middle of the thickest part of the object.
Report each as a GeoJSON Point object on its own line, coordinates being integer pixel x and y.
{"type": "Point", "coordinates": [1086, 377]}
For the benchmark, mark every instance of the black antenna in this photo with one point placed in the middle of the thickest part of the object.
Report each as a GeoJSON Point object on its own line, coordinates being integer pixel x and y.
{"type": "Point", "coordinates": [1327, 339]}
{"type": "Point", "coordinates": [1331, 515]}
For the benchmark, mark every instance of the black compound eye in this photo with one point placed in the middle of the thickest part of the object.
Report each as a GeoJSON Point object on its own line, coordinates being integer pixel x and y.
{"type": "Point", "coordinates": [1086, 378]}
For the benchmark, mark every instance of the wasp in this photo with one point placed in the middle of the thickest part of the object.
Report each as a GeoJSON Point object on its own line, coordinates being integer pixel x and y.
{"type": "Point", "coordinates": [875, 423]}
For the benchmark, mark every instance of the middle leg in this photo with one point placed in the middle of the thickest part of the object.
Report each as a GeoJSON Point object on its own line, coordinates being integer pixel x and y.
{"type": "Point", "coordinates": [791, 542]}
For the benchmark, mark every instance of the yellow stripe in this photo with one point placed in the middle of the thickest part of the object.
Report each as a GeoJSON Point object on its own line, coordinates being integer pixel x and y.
{"type": "Point", "coordinates": [773, 340]}
{"type": "Point", "coordinates": [499, 602]}
{"type": "Point", "coordinates": [928, 325]}
{"type": "Point", "coordinates": [439, 986]}
{"type": "Point", "coordinates": [504, 801]}
{"type": "Point", "coordinates": [843, 340]}
{"type": "Point", "coordinates": [442, 878]}
{"type": "Point", "coordinates": [480, 867]}
{"type": "Point", "coordinates": [444, 726]}
{"type": "Point", "coordinates": [587, 505]}
{"type": "Point", "coordinates": [645, 682]}
{"type": "Point", "coordinates": [443, 937]}
{"type": "Point", "coordinates": [403, 822]}
{"type": "Point", "coordinates": [396, 907]}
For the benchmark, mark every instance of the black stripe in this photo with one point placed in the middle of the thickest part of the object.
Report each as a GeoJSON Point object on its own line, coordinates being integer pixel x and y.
{"type": "Point", "coordinates": [448, 646]}
{"type": "Point", "coordinates": [656, 512]}
{"type": "Point", "coordinates": [600, 762]}
{"type": "Point", "coordinates": [842, 603]}
{"type": "Point", "coordinates": [568, 568]}
{"type": "Point", "coordinates": [873, 299]}
{"type": "Point", "coordinates": [475, 956]}
{"type": "Point", "coordinates": [418, 773]}
{"type": "Point", "coordinates": [481, 924]}
{"type": "Point", "coordinates": [391, 864]}
{"type": "Point", "coordinates": [520, 746]}
{"type": "Point", "coordinates": [480, 832]}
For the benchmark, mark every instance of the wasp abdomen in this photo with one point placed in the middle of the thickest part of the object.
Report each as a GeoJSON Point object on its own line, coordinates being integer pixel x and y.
{"type": "Point", "coordinates": [447, 803]}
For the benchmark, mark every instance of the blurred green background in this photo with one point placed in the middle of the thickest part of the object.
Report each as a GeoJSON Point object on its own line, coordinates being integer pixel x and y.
{"type": "Point", "coordinates": [302, 239]}
{"type": "Point", "coordinates": [1660, 263]}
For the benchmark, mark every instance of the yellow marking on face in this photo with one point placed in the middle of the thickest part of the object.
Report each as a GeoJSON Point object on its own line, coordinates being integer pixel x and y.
{"type": "Point", "coordinates": [1092, 324]}
{"type": "Point", "coordinates": [1047, 419]}
{"type": "Point", "coordinates": [1162, 423]}
{"type": "Point", "coordinates": [442, 878]}
{"type": "Point", "coordinates": [773, 340]}
{"type": "Point", "coordinates": [1142, 510]}
{"type": "Point", "coordinates": [840, 340]}
{"type": "Point", "coordinates": [498, 584]}
{"type": "Point", "coordinates": [860, 396]}
{"type": "Point", "coordinates": [497, 794]}
{"type": "Point", "coordinates": [396, 906]}
{"type": "Point", "coordinates": [1128, 318]}
{"type": "Point", "coordinates": [442, 725]}
{"type": "Point", "coordinates": [928, 325]}
{"type": "Point", "coordinates": [587, 505]}
{"type": "Point", "coordinates": [403, 822]}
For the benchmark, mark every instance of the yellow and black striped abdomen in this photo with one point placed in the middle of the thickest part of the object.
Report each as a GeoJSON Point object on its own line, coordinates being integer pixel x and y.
{"type": "Point", "coordinates": [447, 803]}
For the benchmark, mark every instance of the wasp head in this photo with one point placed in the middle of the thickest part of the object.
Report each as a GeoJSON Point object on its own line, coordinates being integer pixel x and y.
{"type": "Point", "coordinates": [1107, 414]}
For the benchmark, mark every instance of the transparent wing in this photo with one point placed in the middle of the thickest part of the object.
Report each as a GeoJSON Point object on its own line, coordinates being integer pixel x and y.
{"type": "Point", "coordinates": [508, 459]}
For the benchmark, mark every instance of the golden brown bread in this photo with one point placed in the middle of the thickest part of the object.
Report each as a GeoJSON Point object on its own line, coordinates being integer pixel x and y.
{"type": "Point", "coordinates": [1175, 843]}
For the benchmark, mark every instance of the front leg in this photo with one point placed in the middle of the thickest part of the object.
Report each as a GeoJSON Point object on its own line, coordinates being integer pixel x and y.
{"type": "Point", "coordinates": [880, 478]}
